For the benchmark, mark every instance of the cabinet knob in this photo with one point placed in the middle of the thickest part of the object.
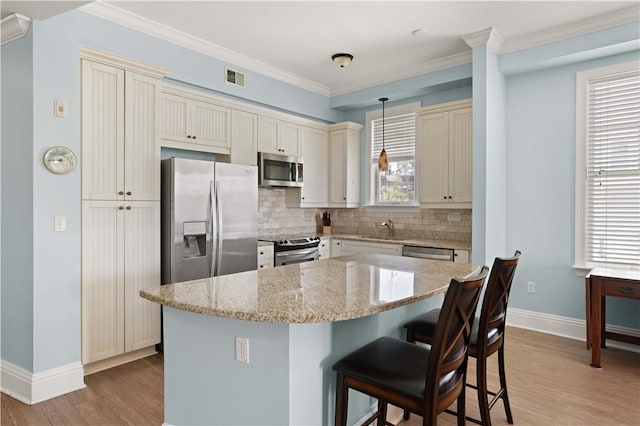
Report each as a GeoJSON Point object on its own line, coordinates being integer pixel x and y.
{"type": "Point", "coordinates": [120, 192]}
{"type": "Point", "coordinates": [188, 136]}
{"type": "Point", "coordinates": [128, 207]}
{"type": "Point", "coordinates": [261, 253]}
{"type": "Point", "coordinates": [344, 198]}
{"type": "Point", "coordinates": [450, 197]}
{"type": "Point", "coordinates": [128, 192]}
{"type": "Point", "coordinates": [261, 266]}
{"type": "Point", "coordinates": [193, 137]}
{"type": "Point", "coordinates": [303, 198]}
{"type": "Point", "coordinates": [120, 207]}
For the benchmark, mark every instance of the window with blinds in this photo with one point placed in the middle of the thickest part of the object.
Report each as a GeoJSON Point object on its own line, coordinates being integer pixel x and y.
{"type": "Point", "coordinates": [612, 187]}
{"type": "Point", "coordinates": [397, 185]}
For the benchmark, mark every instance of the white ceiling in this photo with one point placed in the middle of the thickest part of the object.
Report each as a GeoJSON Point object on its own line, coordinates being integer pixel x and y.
{"type": "Point", "coordinates": [294, 40]}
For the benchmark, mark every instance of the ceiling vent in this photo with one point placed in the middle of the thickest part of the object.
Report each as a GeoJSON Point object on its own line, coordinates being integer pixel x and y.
{"type": "Point", "coordinates": [234, 77]}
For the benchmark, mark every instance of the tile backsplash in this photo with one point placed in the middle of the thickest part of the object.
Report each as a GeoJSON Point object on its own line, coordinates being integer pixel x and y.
{"type": "Point", "coordinates": [442, 224]}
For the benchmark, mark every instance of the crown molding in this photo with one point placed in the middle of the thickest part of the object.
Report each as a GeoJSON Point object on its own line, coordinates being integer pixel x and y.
{"type": "Point", "coordinates": [164, 32]}
{"type": "Point", "coordinates": [14, 27]}
{"type": "Point", "coordinates": [562, 32]}
{"type": "Point", "coordinates": [97, 55]}
{"type": "Point", "coordinates": [431, 66]}
{"type": "Point", "coordinates": [489, 37]}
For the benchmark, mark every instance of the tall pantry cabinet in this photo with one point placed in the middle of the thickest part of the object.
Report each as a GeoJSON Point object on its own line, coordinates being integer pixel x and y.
{"type": "Point", "coordinates": [120, 209]}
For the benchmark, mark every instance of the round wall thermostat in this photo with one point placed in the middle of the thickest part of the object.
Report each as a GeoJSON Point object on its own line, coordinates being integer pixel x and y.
{"type": "Point", "coordinates": [60, 160]}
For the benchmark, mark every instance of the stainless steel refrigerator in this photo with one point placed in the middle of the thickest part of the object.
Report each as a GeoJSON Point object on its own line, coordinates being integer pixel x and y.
{"type": "Point", "coordinates": [209, 219]}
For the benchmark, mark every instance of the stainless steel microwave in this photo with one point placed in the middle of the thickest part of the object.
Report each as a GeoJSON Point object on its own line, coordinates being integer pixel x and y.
{"type": "Point", "coordinates": [280, 170]}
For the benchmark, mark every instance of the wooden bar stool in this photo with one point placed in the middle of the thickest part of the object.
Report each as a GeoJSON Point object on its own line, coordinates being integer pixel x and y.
{"type": "Point", "coordinates": [420, 380]}
{"type": "Point", "coordinates": [487, 336]}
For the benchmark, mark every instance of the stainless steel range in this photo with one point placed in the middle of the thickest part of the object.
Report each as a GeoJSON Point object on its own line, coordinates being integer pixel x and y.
{"type": "Point", "coordinates": [293, 249]}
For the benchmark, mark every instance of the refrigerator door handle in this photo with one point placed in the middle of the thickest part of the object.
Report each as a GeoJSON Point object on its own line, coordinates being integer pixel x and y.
{"type": "Point", "coordinates": [214, 228]}
{"type": "Point", "coordinates": [217, 255]}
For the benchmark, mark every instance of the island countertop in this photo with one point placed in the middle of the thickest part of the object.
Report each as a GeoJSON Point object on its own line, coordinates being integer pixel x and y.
{"type": "Point", "coordinates": [334, 289]}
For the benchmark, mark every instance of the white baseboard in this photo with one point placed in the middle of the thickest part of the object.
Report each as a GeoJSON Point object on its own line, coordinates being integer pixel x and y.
{"type": "Point", "coordinates": [566, 327]}
{"type": "Point", "coordinates": [32, 388]}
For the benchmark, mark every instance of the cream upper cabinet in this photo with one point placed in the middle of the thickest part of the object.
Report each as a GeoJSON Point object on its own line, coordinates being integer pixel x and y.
{"type": "Point", "coordinates": [344, 165]}
{"type": "Point", "coordinates": [278, 136]}
{"type": "Point", "coordinates": [314, 149]}
{"type": "Point", "coordinates": [444, 153]}
{"type": "Point", "coordinates": [120, 257]}
{"type": "Point", "coordinates": [244, 138]}
{"type": "Point", "coordinates": [120, 151]}
{"type": "Point", "coordinates": [194, 123]}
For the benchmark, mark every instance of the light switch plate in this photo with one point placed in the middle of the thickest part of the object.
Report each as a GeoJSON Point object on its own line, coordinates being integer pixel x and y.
{"type": "Point", "coordinates": [60, 108]}
{"type": "Point", "coordinates": [60, 223]}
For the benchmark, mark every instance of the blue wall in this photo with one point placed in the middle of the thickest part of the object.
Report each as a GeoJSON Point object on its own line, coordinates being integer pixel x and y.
{"type": "Point", "coordinates": [41, 269]}
{"type": "Point", "coordinates": [17, 202]}
{"type": "Point", "coordinates": [541, 150]}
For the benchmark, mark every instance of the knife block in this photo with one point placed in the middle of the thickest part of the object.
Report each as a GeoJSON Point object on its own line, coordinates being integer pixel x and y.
{"type": "Point", "coordinates": [326, 229]}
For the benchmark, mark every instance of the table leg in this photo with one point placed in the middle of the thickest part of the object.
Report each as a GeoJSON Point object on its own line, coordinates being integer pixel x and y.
{"type": "Point", "coordinates": [587, 297]}
{"type": "Point", "coordinates": [596, 320]}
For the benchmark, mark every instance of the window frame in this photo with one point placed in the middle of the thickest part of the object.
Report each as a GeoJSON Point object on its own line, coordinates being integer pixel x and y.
{"type": "Point", "coordinates": [370, 173]}
{"type": "Point", "coordinates": [581, 266]}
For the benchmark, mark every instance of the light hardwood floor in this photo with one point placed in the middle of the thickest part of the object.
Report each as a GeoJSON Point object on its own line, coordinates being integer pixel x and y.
{"type": "Point", "coordinates": [549, 377]}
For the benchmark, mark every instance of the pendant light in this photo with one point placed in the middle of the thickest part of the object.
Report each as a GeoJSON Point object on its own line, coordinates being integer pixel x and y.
{"type": "Point", "coordinates": [383, 161]}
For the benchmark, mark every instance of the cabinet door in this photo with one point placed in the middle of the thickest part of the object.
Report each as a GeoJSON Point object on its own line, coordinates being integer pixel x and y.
{"type": "Point", "coordinates": [460, 155]}
{"type": "Point", "coordinates": [288, 138]}
{"type": "Point", "coordinates": [336, 248]}
{"type": "Point", "coordinates": [244, 130]}
{"type": "Point", "coordinates": [433, 131]}
{"type": "Point", "coordinates": [209, 124]}
{"type": "Point", "coordinates": [268, 135]}
{"type": "Point", "coordinates": [142, 270]}
{"type": "Point", "coordinates": [352, 168]}
{"type": "Point", "coordinates": [173, 118]}
{"type": "Point", "coordinates": [355, 247]}
{"type": "Point", "coordinates": [324, 249]}
{"type": "Point", "coordinates": [102, 280]}
{"type": "Point", "coordinates": [142, 150]}
{"type": "Point", "coordinates": [337, 166]}
{"type": "Point", "coordinates": [102, 131]}
{"type": "Point", "coordinates": [315, 149]}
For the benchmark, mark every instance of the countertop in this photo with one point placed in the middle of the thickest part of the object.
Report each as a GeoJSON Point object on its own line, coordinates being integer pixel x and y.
{"type": "Point", "coordinates": [334, 289]}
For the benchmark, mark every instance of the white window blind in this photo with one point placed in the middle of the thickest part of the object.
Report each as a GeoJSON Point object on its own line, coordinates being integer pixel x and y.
{"type": "Point", "coordinates": [612, 192]}
{"type": "Point", "coordinates": [399, 137]}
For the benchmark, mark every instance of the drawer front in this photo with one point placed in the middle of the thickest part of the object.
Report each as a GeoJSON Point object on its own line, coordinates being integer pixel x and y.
{"type": "Point", "coordinates": [620, 289]}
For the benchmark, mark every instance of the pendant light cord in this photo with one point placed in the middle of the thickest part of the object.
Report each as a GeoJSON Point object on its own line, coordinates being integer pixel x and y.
{"type": "Point", "coordinates": [383, 100]}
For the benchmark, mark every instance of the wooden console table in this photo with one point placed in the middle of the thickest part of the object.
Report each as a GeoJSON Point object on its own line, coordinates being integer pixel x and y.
{"type": "Point", "coordinates": [599, 283]}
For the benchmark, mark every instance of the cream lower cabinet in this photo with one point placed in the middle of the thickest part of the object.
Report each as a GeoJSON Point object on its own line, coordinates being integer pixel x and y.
{"type": "Point", "coordinates": [445, 155]}
{"type": "Point", "coordinates": [324, 248]}
{"type": "Point", "coordinates": [361, 247]}
{"type": "Point", "coordinates": [265, 257]}
{"type": "Point", "coordinates": [120, 257]}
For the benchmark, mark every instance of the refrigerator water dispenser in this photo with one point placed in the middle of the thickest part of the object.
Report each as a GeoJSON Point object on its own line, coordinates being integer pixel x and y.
{"type": "Point", "coordinates": [194, 239]}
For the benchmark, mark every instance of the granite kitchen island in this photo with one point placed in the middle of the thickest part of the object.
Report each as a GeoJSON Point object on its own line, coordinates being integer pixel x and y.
{"type": "Point", "coordinates": [299, 320]}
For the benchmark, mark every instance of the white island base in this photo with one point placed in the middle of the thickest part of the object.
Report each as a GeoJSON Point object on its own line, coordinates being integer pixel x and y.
{"type": "Point", "coordinates": [289, 379]}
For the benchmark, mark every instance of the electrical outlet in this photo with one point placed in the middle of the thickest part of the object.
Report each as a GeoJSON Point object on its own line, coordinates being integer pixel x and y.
{"type": "Point", "coordinates": [242, 349]}
{"type": "Point", "coordinates": [531, 287]}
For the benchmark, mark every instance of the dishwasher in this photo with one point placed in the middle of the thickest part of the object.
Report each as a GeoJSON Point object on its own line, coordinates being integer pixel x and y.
{"type": "Point", "coordinates": [428, 253]}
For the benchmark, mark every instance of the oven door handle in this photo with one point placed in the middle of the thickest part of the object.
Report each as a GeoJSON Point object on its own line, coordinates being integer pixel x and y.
{"type": "Point", "coordinates": [296, 253]}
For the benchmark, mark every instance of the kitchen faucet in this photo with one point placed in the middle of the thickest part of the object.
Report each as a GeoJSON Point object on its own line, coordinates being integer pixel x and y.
{"type": "Point", "coordinates": [389, 225]}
